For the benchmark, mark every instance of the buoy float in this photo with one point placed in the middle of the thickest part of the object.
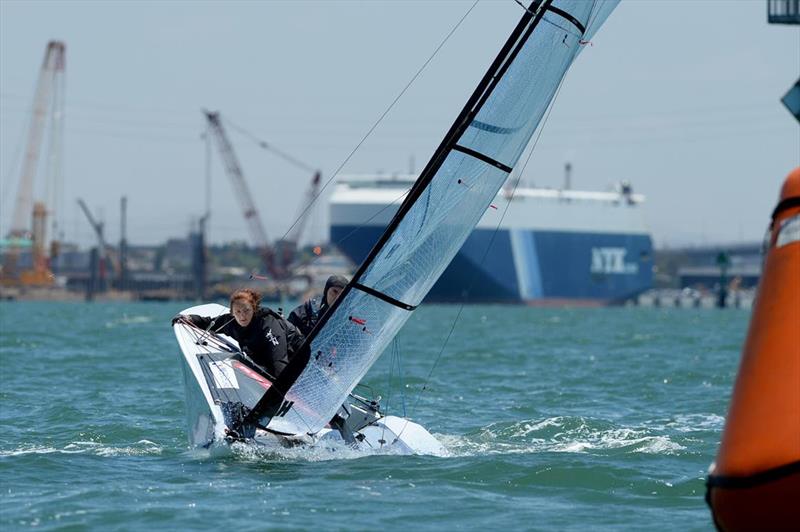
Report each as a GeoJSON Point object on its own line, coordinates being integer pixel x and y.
{"type": "Point", "coordinates": [755, 482]}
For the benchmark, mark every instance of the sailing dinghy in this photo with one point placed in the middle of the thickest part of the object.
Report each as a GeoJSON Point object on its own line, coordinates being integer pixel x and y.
{"type": "Point", "coordinates": [229, 398]}
{"type": "Point", "coordinates": [222, 382]}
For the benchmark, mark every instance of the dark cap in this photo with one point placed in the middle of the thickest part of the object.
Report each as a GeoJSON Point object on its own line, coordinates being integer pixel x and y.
{"type": "Point", "coordinates": [339, 281]}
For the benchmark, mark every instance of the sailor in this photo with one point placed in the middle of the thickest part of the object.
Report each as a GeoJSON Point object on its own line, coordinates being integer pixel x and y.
{"type": "Point", "coordinates": [262, 333]}
{"type": "Point", "coordinates": [305, 316]}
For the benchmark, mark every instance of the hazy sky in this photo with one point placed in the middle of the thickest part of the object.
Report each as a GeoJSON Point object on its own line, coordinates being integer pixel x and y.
{"type": "Point", "coordinates": [682, 98]}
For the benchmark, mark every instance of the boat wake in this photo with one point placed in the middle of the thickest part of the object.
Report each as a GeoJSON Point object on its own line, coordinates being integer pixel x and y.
{"type": "Point", "coordinates": [319, 452]}
{"type": "Point", "coordinates": [559, 434]}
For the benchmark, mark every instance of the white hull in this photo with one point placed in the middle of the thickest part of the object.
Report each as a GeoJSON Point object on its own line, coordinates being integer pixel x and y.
{"type": "Point", "coordinates": [206, 423]}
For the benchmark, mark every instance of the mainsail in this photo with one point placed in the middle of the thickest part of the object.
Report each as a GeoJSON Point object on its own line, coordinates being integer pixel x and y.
{"type": "Point", "coordinates": [444, 205]}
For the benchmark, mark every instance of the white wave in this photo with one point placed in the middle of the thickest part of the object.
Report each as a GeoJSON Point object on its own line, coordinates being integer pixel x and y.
{"type": "Point", "coordinates": [31, 449]}
{"type": "Point", "coordinates": [661, 445]}
{"type": "Point", "coordinates": [528, 427]}
{"type": "Point", "coordinates": [576, 436]}
{"type": "Point", "coordinates": [693, 423]}
{"type": "Point", "coordinates": [142, 447]}
{"type": "Point", "coordinates": [621, 438]}
{"type": "Point", "coordinates": [128, 320]}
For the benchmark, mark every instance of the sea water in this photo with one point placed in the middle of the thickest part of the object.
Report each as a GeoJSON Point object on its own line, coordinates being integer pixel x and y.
{"type": "Point", "coordinates": [553, 419]}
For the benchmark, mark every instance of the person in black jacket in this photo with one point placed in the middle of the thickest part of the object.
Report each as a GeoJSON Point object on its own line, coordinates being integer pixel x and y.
{"type": "Point", "coordinates": [263, 334]}
{"type": "Point", "coordinates": [305, 316]}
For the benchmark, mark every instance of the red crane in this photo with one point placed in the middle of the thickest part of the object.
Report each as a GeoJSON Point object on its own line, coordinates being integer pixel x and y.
{"type": "Point", "coordinates": [287, 246]}
{"type": "Point", "coordinates": [104, 251]}
{"type": "Point", "coordinates": [251, 216]}
{"type": "Point", "coordinates": [280, 258]}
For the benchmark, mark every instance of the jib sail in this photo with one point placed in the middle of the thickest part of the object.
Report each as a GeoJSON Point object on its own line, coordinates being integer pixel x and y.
{"type": "Point", "coordinates": [444, 205]}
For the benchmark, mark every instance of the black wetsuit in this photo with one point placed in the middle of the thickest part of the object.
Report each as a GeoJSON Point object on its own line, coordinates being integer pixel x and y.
{"type": "Point", "coordinates": [305, 316]}
{"type": "Point", "coordinates": [268, 339]}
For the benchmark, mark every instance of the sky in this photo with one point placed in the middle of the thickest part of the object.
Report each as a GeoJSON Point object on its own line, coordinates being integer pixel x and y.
{"type": "Point", "coordinates": [681, 98]}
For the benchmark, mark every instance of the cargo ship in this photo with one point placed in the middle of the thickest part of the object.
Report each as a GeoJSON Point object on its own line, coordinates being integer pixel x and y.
{"type": "Point", "coordinates": [536, 246]}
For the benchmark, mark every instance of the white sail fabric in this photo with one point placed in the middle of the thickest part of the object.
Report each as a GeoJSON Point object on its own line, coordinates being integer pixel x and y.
{"type": "Point", "coordinates": [441, 218]}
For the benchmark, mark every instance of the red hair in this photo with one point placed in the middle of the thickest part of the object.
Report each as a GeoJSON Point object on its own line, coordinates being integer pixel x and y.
{"type": "Point", "coordinates": [246, 294]}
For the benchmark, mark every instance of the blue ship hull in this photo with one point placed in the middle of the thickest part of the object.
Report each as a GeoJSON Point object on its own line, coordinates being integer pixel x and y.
{"type": "Point", "coordinates": [533, 267]}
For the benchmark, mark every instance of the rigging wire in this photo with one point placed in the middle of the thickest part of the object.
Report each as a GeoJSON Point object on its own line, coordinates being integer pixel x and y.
{"type": "Point", "coordinates": [400, 376]}
{"type": "Point", "coordinates": [394, 359]}
{"type": "Point", "coordinates": [380, 118]}
{"type": "Point", "coordinates": [267, 146]}
{"type": "Point", "coordinates": [389, 388]}
{"type": "Point", "coordinates": [208, 373]}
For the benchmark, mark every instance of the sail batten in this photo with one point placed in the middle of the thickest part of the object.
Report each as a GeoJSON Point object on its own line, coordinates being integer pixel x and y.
{"type": "Point", "coordinates": [483, 157]}
{"type": "Point", "coordinates": [566, 16]}
{"type": "Point", "coordinates": [384, 297]}
{"type": "Point", "coordinates": [453, 192]}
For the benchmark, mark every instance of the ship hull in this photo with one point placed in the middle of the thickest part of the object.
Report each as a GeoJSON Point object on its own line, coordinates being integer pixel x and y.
{"type": "Point", "coordinates": [526, 266]}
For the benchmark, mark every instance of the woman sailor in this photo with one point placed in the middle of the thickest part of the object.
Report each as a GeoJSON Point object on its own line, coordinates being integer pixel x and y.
{"type": "Point", "coordinates": [262, 334]}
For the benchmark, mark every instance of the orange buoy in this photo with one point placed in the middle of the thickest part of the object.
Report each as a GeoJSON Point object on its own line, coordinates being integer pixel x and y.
{"type": "Point", "coordinates": [755, 481]}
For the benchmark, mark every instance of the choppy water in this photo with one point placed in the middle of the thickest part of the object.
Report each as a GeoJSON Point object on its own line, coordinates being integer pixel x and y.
{"type": "Point", "coordinates": [554, 419]}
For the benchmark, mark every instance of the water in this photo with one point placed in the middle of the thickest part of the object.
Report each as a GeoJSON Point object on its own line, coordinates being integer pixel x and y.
{"type": "Point", "coordinates": [554, 419]}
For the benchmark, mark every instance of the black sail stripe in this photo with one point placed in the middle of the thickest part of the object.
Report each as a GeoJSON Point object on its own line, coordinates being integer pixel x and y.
{"type": "Point", "coordinates": [383, 297]}
{"type": "Point", "coordinates": [483, 126]}
{"type": "Point", "coordinates": [485, 158]}
{"type": "Point", "coordinates": [563, 14]}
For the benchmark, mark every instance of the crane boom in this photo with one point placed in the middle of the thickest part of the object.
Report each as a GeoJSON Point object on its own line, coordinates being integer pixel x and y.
{"type": "Point", "coordinates": [286, 249]}
{"type": "Point", "coordinates": [102, 246]}
{"type": "Point", "coordinates": [303, 214]}
{"type": "Point", "coordinates": [234, 171]}
{"type": "Point", "coordinates": [52, 66]}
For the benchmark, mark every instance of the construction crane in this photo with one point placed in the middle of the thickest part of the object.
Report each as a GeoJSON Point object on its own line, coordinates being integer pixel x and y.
{"type": "Point", "coordinates": [251, 216]}
{"type": "Point", "coordinates": [104, 257]}
{"type": "Point", "coordinates": [48, 103]}
{"type": "Point", "coordinates": [280, 258]}
{"type": "Point", "coordinates": [296, 232]}
{"type": "Point", "coordinates": [287, 247]}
